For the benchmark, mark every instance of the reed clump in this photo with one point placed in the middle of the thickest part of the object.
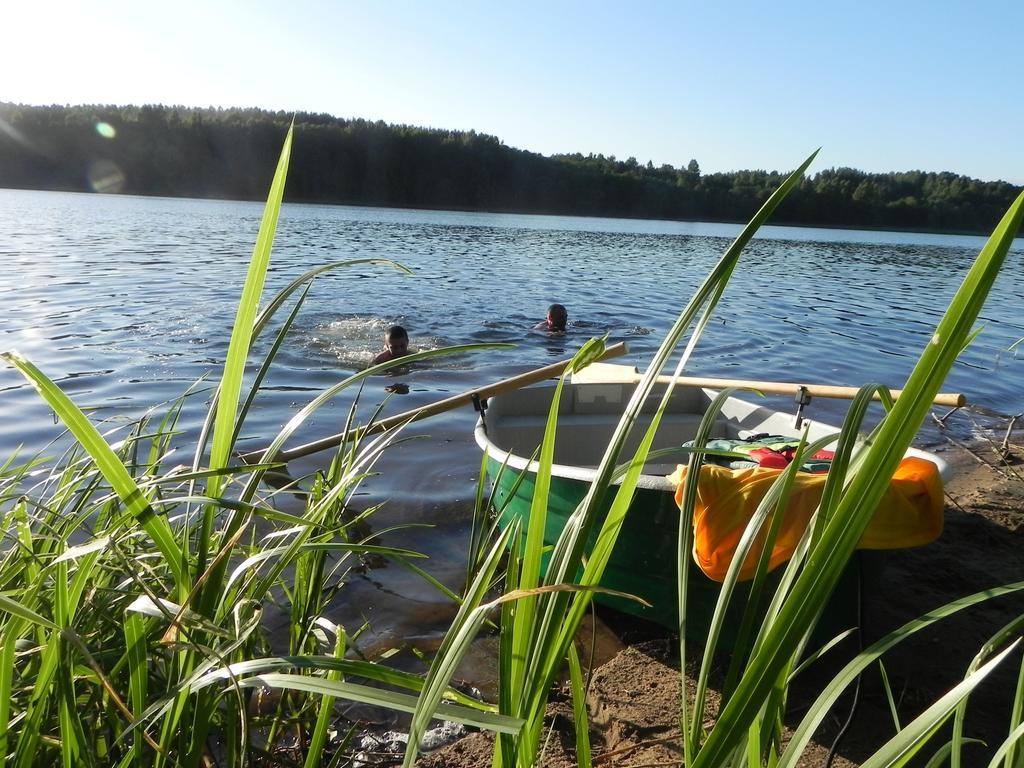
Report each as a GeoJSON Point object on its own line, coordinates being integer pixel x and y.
{"type": "Point", "coordinates": [132, 625]}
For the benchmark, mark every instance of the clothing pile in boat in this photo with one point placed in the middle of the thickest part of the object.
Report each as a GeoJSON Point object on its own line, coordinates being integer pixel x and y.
{"type": "Point", "coordinates": [763, 450]}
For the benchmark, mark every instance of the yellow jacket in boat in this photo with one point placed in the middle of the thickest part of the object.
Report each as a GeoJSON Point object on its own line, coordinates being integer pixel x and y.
{"type": "Point", "coordinates": [909, 515]}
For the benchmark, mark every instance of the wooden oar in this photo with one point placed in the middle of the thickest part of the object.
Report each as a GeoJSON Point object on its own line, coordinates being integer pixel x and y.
{"type": "Point", "coordinates": [609, 373]}
{"type": "Point", "coordinates": [465, 398]}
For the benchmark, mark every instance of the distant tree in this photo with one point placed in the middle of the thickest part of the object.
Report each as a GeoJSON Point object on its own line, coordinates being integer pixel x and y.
{"type": "Point", "coordinates": [230, 153]}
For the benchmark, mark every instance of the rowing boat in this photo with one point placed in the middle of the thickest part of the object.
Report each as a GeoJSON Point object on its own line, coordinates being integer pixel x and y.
{"type": "Point", "coordinates": [644, 560]}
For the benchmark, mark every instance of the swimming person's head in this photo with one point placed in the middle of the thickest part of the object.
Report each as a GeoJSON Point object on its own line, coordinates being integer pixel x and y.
{"type": "Point", "coordinates": [396, 341]}
{"type": "Point", "coordinates": [558, 317]}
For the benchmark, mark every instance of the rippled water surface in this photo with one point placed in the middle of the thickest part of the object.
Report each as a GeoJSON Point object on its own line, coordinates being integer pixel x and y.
{"type": "Point", "coordinates": [128, 301]}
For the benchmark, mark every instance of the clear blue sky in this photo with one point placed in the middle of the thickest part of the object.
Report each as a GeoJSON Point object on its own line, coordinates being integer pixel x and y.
{"type": "Point", "coordinates": [879, 85]}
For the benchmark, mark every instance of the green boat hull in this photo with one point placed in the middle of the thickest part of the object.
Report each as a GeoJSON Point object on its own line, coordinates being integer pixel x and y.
{"type": "Point", "coordinates": [644, 560]}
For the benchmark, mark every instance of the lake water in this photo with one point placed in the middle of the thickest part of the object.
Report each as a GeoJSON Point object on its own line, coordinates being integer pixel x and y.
{"type": "Point", "coordinates": [127, 301]}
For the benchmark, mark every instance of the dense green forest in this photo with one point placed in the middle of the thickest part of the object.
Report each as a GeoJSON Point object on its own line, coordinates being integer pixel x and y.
{"type": "Point", "coordinates": [231, 153]}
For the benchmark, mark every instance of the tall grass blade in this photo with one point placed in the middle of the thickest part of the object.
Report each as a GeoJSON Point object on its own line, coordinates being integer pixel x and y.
{"type": "Point", "coordinates": [524, 612]}
{"type": "Point", "coordinates": [766, 731]}
{"type": "Point", "coordinates": [15, 608]}
{"type": "Point", "coordinates": [323, 721]}
{"type": "Point", "coordinates": [860, 498]}
{"type": "Point", "coordinates": [773, 503]}
{"type": "Point", "coordinates": [911, 738]}
{"type": "Point", "coordinates": [890, 699]}
{"type": "Point", "coordinates": [26, 752]}
{"type": "Point", "coordinates": [10, 633]}
{"type": "Point", "coordinates": [581, 722]}
{"type": "Point", "coordinates": [401, 702]}
{"type": "Point", "coordinates": [107, 462]}
{"type": "Point", "coordinates": [505, 748]}
{"type": "Point", "coordinates": [561, 618]}
{"type": "Point", "coordinates": [821, 706]}
{"type": "Point", "coordinates": [1005, 750]}
{"type": "Point", "coordinates": [268, 360]}
{"type": "Point", "coordinates": [353, 667]}
{"type": "Point", "coordinates": [1000, 638]}
{"type": "Point", "coordinates": [746, 638]}
{"type": "Point", "coordinates": [478, 522]}
{"type": "Point", "coordinates": [241, 332]}
{"type": "Point", "coordinates": [941, 756]}
{"type": "Point", "coordinates": [138, 673]}
{"type": "Point", "coordinates": [1013, 753]}
{"type": "Point", "coordinates": [230, 386]}
{"type": "Point", "coordinates": [454, 646]}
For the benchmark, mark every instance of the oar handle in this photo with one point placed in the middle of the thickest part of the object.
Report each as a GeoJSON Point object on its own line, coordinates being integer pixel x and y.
{"type": "Point", "coordinates": [814, 390]}
{"type": "Point", "coordinates": [465, 398]}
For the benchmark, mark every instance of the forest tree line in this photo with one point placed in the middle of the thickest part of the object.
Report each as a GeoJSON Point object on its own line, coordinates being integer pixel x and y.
{"type": "Point", "coordinates": [231, 153]}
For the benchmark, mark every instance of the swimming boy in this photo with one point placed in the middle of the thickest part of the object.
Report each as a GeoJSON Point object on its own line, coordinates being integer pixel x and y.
{"type": "Point", "coordinates": [557, 319]}
{"type": "Point", "coordinates": [396, 344]}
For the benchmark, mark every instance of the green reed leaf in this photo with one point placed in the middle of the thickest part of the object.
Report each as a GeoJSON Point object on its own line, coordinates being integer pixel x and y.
{"type": "Point", "coordinates": [9, 636]}
{"type": "Point", "coordinates": [268, 360]}
{"type": "Point", "coordinates": [106, 461]}
{"type": "Point", "coordinates": [254, 561]}
{"type": "Point", "coordinates": [457, 639]}
{"type": "Point", "coordinates": [351, 667]}
{"type": "Point", "coordinates": [241, 332]}
{"type": "Point", "coordinates": [40, 703]}
{"type": "Point", "coordinates": [941, 756]}
{"type": "Point", "coordinates": [138, 673]}
{"type": "Point", "coordinates": [911, 738]}
{"type": "Point", "coordinates": [401, 702]}
{"type": "Point", "coordinates": [529, 566]}
{"type": "Point", "coordinates": [229, 390]}
{"type": "Point", "coordinates": [1016, 718]}
{"type": "Point", "coordinates": [581, 723]}
{"type": "Point", "coordinates": [326, 711]}
{"type": "Point", "coordinates": [556, 627]}
{"type": "Point", "coordinates": [860, 498]}
{"type": "Point", "coordinates": [1004, 635]}
{"type": "Point", "coordinates": [73, 553]}
{"type": "Point", "coordinates": [15, 608]}
{"type": "Point", "coordinates": [819, 710]}
{"type": "Point", "coordinates": [1005, 750]}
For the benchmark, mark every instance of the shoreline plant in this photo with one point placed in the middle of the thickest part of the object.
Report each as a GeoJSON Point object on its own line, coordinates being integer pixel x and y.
{"type": "Point", "coordinates": [132, 592]}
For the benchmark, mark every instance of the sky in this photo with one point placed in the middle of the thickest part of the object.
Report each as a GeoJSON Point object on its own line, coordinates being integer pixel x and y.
{"type": "Point", "coordinates": [880, 86]}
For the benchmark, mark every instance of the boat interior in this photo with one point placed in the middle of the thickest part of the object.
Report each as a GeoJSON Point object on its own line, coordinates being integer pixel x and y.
{"type": "Point", "coordinates": [588, 414]}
